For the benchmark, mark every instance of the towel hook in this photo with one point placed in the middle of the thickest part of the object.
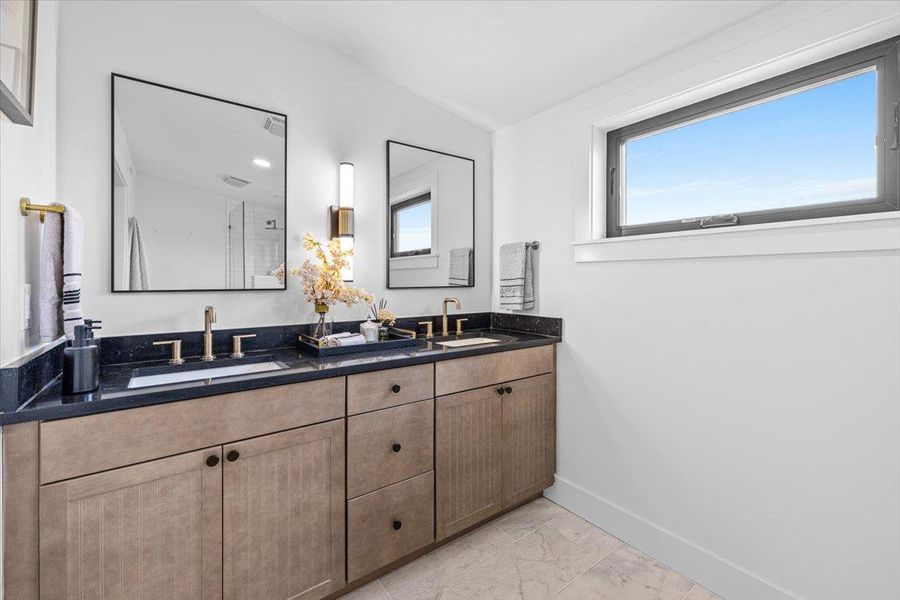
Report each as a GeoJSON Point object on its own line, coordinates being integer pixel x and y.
{"type": "Point", "coordinates": [25, 206]}
{"type": "Point", "coordinates": [535, 244]}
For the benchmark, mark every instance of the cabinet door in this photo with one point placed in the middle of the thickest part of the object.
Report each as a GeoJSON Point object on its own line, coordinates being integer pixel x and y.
{"type": "Point", "coordinates": [284, 515]}
{"type": "Point", "coordinates": [468, 459]}
{"type": "Point", "coordinates": [529, 437]}
{"type": "Point", "coordinates": [149, 531]}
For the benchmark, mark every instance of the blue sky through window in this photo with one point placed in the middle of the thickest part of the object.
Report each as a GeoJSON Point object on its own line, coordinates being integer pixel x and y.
{"type": "Point", "coordinates": [810, 147]}
{"type": "Point", "coordinates": [414, 227]}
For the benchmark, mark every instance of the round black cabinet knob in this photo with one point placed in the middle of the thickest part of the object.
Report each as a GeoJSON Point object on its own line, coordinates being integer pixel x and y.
{"type": "Point", "coordinates": [212, 461]}
{"type": "Point", "coordinates": [396, 447]}
{"type": "Point", "coordinates": [508, 390]}
{"type": "Point", "coordinates": [233, 455]}
{"type": "Point", "coordinates": [395, 388]}
{"type": "Point", "coordinates": [501, 390]}
{"type": "Point", "coordinates": [397, 525]}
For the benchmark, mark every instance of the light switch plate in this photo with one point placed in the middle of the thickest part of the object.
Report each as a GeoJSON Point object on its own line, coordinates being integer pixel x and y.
{"type": "Point", "coordinates": [26, 306]}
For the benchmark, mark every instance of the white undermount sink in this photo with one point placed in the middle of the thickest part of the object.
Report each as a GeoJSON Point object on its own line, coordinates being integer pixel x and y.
{"type": "Point", "coordinates": [475, 341]}
{"type": "Point", "coordinates": [200, 374]}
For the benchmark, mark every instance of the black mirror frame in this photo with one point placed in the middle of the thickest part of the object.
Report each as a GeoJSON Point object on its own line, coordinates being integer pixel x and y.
{"type": "Point", "coordinates": [112, 185]}
{"type": "Point", "coordinates": [387, 177]}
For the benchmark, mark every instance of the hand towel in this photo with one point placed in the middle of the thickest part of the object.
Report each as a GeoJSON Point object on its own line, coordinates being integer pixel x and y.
{"type": "Point", "coordinates": [462, 271]}
{"type": "Point", "coordinates": [344, 338]}
{"type": "Point", "coordinates": [516, 276]}
{"type": "Point", "coordinates": [137, 259]}
{"type": "Point", "coordinates": [352, 340]}
{"type": "Point", "coordinates": [73, 260]}
{"type": "Point", "coordinates": [51, 278]}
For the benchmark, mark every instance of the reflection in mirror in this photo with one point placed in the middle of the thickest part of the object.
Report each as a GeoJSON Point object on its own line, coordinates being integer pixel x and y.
{"type": "Point", "coordinates": [198, 191]}
{"type": "Point", "coordinates": [431, 218]}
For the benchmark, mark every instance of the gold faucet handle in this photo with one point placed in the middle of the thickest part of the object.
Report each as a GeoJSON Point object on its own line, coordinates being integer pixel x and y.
{"type": "Point", "coordinates": [236, 344]}
{"type": "Point", "coordinates": [429, 332]}
{"type": "Point", "coordinates": [176, 350]}
{"type": "Point", "coordinates": [459, 323]}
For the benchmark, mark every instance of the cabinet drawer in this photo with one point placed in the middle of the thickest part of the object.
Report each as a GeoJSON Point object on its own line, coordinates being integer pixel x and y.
{"type": "Point", "coordinates": [389, 524]}
{"type": "Point", "coordinates": [390, 445]}
{"type": "Point", "coordinates": [73, 447]}
{"type": "Point", "coordinates": [391, 387]}
{"type": "Point", "coordinates": [453, 376]}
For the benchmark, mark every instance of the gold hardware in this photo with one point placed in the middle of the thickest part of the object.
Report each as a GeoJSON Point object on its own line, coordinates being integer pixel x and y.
{"type": "Point", "coordinates": [318, 343]}
{"type": "Point", "coordinates": [236, 344]}
{"type": "Point", "coordinates": [176, 351]}
{"type": "Point", "coordinates": [444, 312]}
{"type": "Point", "coordinates": [459, 323]}
{"type": "Point", "coordinates": [341, 221]}
{"type": "Point", "coordinates": [209, 317]}
{"type": "Point", "coordinates": [408, 332]}
{"type": "Point", "coordinates": [25, 206]}
{"type": "Point", "coordinates": [429, 333]}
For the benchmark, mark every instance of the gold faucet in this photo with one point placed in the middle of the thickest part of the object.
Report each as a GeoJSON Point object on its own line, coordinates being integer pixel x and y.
{"type": "Point", "coordinates": [209, 317]}
{"type": "Point", "coordinates": [458, 307]}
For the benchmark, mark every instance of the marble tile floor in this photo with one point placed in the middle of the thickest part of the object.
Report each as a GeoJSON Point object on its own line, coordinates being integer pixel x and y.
{"type": "Point", "coordinates": [540, 551]}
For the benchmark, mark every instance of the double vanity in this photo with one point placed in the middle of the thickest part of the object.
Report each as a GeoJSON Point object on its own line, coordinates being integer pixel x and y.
{"type": "Point", "coordinates": [265, 463]}
{"type": "Point", "coordinates": [303, 481]}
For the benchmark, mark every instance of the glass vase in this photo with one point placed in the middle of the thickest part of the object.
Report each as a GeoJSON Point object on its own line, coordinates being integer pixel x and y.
{"type": "Point", "coordinates": [320, 321]}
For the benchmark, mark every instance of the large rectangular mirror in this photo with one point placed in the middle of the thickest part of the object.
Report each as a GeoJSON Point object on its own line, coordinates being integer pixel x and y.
{"type": "Point", "coordinates": [430, 218]}
{"type": "Point", "coordinates": [198, 191]}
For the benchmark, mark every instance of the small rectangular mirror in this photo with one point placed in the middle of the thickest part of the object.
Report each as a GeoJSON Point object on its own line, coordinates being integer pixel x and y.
{"type": "Point", "coordinates": [430, 218]}
{"type": "Point", "coordinates": [198, 191]}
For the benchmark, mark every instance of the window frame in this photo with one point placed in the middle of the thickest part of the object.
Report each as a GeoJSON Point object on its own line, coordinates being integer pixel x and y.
{"type": "Point", "coordinates": [883, 56]}
{"type": "Point", "coordinates": [396, 207]}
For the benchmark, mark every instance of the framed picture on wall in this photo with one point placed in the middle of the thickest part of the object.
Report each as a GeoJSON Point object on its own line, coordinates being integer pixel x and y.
{"type": "Point", "coordinates": [18, 22]}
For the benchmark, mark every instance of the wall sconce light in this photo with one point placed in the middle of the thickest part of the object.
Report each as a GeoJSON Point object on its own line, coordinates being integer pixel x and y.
{"type": "Point", "coordinates": [342, 215]}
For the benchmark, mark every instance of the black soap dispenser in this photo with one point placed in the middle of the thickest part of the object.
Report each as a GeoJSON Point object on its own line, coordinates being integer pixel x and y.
{"type": "Point", "coordinates": [81, 361]}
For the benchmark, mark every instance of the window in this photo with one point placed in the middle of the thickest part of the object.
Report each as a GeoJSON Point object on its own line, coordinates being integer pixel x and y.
{"type": "Point", "coordinates": [818, 142]}
{"type": "Point", "coordinates": [411, 226]}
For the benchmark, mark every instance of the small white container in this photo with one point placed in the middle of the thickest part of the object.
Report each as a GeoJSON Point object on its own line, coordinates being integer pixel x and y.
{"type": "Point", "coordinates": [369, 329]}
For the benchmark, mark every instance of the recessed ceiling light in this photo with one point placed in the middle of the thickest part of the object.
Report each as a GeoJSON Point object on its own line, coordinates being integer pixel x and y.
{"type": "Point", "coordinates": [261, 162]}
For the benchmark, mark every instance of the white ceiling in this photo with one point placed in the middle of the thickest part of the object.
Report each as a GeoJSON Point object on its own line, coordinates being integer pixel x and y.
{"type": "Point", "coordinates": [194, 141]}
{"type": "Point", "coordinates": [497, 63]}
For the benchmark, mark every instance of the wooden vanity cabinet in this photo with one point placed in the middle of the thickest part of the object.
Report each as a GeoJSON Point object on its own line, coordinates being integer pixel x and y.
{"type": "Point", "coordinates": [283, 493]}
{"type": "Point", "coordinates": [468, 459]}
{"type": "Point", "coordinates": [495, 446]}
{"type": "Point", "coordinates": [529, 437]}
{"type": "Point", "coordinates": [152, 530]}
{"type": "Point", "coordinates": [283, 519]}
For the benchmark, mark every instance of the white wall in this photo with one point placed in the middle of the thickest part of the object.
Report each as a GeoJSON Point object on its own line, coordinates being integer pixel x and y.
{"type": "Point", "coordinates": [185, 234]}
{"type": "Point", "coordinates": [737, 418]}
{"type": "Point", "coordinates": [28, 167]}
{"type": "Point", "coordinates": [336, 111]}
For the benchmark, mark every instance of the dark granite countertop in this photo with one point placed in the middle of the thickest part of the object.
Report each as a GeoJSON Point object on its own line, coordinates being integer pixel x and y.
{"type": "Point", "coordinates": [114, 393]}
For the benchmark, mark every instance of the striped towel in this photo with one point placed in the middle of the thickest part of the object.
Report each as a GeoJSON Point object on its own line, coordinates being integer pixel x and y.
{"type": "Point", "coordinates": [462, 267]}
{"type": "Point", "coordinates": [516, 276]}
{"type": "Point", "coordinates": [62, 256]}
{"type": "Point", "coordinates": [73, 260]}
{"type": "Point", "coordinates": [51, 270]}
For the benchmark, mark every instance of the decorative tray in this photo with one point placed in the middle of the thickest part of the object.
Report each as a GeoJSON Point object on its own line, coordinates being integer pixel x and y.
{"type": "Point", "coordinates": [397, 338]}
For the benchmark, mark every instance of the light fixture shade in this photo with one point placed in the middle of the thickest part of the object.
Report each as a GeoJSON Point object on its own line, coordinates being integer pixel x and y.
{"type": "Point", "coordinates": [342, 215]}
{"type": "Point", "coordinates": [345, 190]}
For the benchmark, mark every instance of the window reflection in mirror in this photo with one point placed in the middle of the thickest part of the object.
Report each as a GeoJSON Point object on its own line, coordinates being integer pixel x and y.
{"type": "Point", "coordinates": [431, 220]}
{"type": "Point", "coordinates": [198, 191]}
{"type": "Point", "coordinates": [412, 226]}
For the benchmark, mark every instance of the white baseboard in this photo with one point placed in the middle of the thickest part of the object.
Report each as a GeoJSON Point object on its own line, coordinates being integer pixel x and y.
{"type": "Point", "coordinates": [716, 574]}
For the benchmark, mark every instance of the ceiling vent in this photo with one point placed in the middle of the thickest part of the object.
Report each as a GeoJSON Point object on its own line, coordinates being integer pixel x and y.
{"type": "Point", "coordinates": [275, 125]}
{"type": "Point", "coordinates": [235, 181]}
